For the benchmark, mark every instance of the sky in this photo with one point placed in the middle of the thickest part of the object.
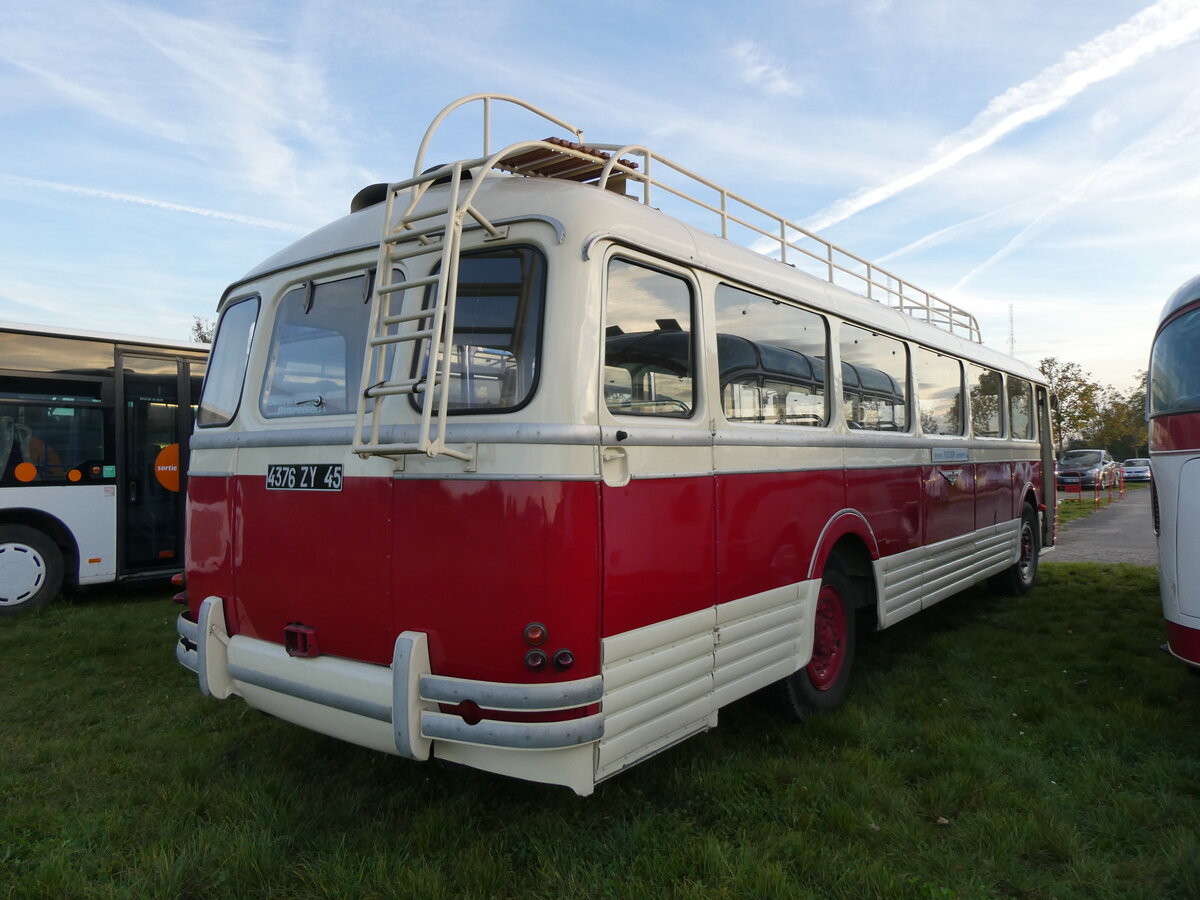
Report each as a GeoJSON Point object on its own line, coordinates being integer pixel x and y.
{"type": "Point", "coordinates": [1035, 162]}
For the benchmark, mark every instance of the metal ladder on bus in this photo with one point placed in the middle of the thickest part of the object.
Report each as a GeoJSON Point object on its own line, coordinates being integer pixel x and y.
{"type": "Point", "coordinates": [407, 238]}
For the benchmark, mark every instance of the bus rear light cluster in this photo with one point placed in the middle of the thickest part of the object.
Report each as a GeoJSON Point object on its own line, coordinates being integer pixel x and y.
{"type": "Point", "coordinates": [536, 659]}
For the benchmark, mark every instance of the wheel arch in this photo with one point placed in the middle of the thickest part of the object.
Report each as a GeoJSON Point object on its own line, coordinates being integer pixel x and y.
{"type": "Point", "coordinates": [848, 538]}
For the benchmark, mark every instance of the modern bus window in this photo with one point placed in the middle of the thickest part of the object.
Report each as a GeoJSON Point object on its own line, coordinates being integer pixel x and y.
{"type": "Point", "coordinates": [55, 414]}
{"type": "Point", "coordinates": [648, 368]}
{"type": "Point", "coordinates": [317, 349]}
{"type": "Point", "coordinates": [874, 378]}
{"type": "Point", "coordinates": [1021, 424]}
{"type": "Point", "coordinates": [42, 353]}
{"type": "Point", "coordinates": [771, 357]}
{"type": "Point", "coordinates": [227, 370]}
{"type": "Point", "coordinates": [44, 442]}
{"type": "Point", "coordinates": [984, 388]}
{"type": "Point", "coordinates": [1175, 367]}
{"type": "Point", "coordinates": [939, 392]}
{"type": "Point", "coordinates": [497, 330]}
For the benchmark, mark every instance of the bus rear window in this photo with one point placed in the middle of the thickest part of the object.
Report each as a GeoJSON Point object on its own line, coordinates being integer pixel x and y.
{"type": "Point", "coordinates": [317, 346]}
{"type": "Point", "coordinates": [497, 330]}
{"type": "Point", "coordinates": [1175, 367]}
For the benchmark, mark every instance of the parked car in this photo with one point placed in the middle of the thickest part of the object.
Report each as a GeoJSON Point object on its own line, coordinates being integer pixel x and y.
{"type": "Point", "coordinates": [1087, 468]}
{"type": "Point", "coordinates": [1136, 470]}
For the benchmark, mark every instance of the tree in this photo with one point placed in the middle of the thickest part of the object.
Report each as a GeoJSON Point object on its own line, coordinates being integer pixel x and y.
{"type": "Point", "coordinates": [203, 330]}
{"type": "Point", "coordinates": [1080, 399]}
{"type": "Point", "coordinates": [1120, 425]}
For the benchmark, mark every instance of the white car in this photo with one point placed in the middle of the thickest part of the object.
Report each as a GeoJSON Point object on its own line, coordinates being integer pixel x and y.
{"type": "Point", "coordinates": [1136, 470]}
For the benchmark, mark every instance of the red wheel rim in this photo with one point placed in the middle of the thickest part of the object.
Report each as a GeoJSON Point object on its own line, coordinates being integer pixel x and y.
{"type": "Point", "coordinates": [829, 639]}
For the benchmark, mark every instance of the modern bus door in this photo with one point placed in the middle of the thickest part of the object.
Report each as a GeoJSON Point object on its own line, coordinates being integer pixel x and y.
{"type": "Point", "coordinates": [152, 431]}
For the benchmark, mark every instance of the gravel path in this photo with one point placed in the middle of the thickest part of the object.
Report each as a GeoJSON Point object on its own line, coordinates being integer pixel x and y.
{"type": "Point", "coordinates": [1120, 533]}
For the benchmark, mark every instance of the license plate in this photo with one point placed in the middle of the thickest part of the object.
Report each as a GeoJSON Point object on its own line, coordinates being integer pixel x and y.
{"type": "Point", "coordinates": [305, 477]}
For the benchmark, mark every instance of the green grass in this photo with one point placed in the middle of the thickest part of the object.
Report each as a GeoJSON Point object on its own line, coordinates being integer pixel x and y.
{"type": "Point", "coordinates": [1040, 747]}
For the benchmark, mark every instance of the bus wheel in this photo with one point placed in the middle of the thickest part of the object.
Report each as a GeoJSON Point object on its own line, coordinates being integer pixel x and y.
{"type": "Point", "coordinates": [821, 685]}
{"type": "Point", "coordinates": [31, 569]}
{"type": "Point", "coordinates": [1018, 578]}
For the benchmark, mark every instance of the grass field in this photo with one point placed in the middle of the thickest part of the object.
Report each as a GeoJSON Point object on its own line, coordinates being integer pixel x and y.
{"type": "Point", "coordinates": [1040, 747]}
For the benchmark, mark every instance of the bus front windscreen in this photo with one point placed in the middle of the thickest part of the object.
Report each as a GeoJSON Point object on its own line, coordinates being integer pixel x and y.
{"type": "Point", "coordinates": [1175, 366]}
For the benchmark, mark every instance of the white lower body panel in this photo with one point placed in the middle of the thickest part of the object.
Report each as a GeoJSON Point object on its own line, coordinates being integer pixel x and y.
{"type": "Point", "coordinates": [665, 682]}
{"type": "Point", "coordinates": [916, 579]}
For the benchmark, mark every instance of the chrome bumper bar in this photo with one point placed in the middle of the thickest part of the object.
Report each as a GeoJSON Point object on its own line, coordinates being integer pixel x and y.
{"type": "Point", "coordinates": [405, 695]}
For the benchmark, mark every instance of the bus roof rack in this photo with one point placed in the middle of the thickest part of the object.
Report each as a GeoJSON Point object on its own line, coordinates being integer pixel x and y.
{"type": "Point", "coordinates": [609, 167]}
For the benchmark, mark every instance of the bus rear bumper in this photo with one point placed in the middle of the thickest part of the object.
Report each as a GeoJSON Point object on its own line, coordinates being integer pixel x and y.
{"type": "Point", "coordinates": [397, 709]}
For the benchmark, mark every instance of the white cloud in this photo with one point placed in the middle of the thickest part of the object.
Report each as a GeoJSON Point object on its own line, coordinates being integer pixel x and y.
{"type": "Point", "coordinates": [1166, 24]}
{"type": "Point", "coordinates": [255, 108]}
{"type": "Point", "coordinates": [759, 69]}
{"type": "Point", "coordinates": [1181, 127]}
{"type": "Point", "coordinates": [157, 204]}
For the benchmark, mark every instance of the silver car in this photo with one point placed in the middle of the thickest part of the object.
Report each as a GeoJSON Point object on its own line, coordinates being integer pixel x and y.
{"type": "Point", "coordinates": [1136, 470]}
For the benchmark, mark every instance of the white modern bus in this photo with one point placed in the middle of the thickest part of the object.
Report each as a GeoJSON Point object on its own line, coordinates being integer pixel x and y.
{"type": "Point", "coordinates": [1173, 399]}
{"type": "Point", "coordinates": [509, 467]}
{"type": "Point", "coordinates": [93, 441]}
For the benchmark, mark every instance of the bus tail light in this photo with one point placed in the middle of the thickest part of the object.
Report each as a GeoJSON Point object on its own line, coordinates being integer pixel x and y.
{"type": "Point", "coordinates": [563, 659]}
{"type": "Point", "coordinates": [535, 660]}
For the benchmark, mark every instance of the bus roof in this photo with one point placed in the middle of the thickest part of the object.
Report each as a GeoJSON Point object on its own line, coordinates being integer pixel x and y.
{"type": "Point", "coordinates": [1188, 293]}
{"type": "Point", "coordinates": [565, 183]}
{"type": "Point", "coordinates": [54, 331]}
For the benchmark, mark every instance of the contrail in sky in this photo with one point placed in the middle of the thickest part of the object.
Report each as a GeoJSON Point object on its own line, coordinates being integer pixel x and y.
{"type": "Point", "coordinates": [157, 204]}
{"type": "Point", "coordinates": [1162, 26]}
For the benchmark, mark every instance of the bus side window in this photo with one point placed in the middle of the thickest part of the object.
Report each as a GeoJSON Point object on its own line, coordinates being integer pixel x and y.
{"type": "Point", "coordinates": [227, 369]}
{"type": "Point", "coordinates": [649, 368]}
{"type": "Point", "coordinates": [939, 392]}
{"type": "Point", "coordinates": [771, 357]}
{"type": "Point", "coordinates": [1020, 409]}
{"type": "Point", "coordinates": [984, 388]}
{"type": "Point", "coordinates": [874, 380]}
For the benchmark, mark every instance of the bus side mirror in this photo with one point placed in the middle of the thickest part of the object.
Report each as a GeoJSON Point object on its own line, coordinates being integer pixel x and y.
{"type": "Point", "coordinates": [1054, 402]}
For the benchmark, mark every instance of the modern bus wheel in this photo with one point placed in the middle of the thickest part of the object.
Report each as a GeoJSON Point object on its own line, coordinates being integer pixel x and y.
{"type": "Point", "coordinates": [821, 685]}
{"type": "Point", "coordinates": [31, 569]}
{"type": "Point", "coordinates": [1018, 578]}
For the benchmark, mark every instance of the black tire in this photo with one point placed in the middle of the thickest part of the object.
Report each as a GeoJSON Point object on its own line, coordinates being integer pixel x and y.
{"type": "Point", "coordinates": [31, 569]}
{"type": "Point", "coordinates": [1018, 578]}
{"type": "Point", "coordinates": [821, 685]}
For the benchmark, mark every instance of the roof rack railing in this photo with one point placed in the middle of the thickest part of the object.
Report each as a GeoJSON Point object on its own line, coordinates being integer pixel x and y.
{"type": "Point", "coordinates": [607, 167]}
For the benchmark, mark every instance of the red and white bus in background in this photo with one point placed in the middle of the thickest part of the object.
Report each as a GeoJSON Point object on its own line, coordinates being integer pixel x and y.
{"type": "Point", "coordinates": [93, 443]}
{"type": "Point", "coordinates": [1174, 407]}
{"type": "Point", "coordinates": [511, 468]}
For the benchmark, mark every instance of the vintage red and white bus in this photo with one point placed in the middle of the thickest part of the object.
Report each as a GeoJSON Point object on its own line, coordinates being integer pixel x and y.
{"type": "Point", "coordinates": [511, 468]}
{"type": "Point", "coordinates": [1173, 399]}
